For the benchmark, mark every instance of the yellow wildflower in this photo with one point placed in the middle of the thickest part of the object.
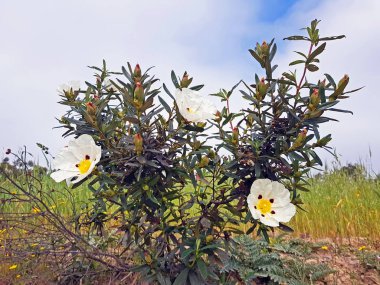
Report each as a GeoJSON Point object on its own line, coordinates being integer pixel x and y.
{"type": "Point", "coordinates": [18, 276]}
{"type": "Point", "coordinates": [12, 267]}
{"type": "Point", "coordinates": [324, 247]}
{"type": "Point", "coordinates": [362, 248]}
{"type": "Point", "coordinates": [35, 210]}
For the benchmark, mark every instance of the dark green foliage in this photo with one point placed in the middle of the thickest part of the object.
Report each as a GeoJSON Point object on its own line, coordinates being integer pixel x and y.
{"type": "Point", "coordinates": [178, 200]}
{"type": "Point", "coordinates": [285, 262]}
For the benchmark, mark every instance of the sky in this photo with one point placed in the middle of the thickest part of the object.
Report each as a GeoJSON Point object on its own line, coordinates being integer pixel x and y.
{"type": "Point", "coordinates": [46, 43]}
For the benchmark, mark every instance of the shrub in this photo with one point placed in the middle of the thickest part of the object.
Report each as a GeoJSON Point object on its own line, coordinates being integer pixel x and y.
{"type": "Point", "coordinates": [157, 165]}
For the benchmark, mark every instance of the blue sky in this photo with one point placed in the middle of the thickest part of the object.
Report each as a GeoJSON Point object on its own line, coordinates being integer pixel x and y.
{"type": "Point", "coordinates": [46, 43]}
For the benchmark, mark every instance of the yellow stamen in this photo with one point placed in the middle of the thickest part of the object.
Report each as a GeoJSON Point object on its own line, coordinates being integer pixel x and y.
{"type": "Point", "coordinates": [264, 206]}
{"type": "Point", "coordinates": [84, 166]}
{"type": "Point", "coordinates": [12, 267]}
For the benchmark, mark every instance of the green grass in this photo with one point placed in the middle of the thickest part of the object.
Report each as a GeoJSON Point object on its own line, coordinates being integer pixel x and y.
{"type": "Point", "coordinates": [338, 205]}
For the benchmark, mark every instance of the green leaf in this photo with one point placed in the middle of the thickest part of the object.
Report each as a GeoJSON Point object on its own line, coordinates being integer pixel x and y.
{"type": "Point", "coordinates": [331, 80]}
{"type": "Point", "coordinates": [186, 253]}
{"type": "Point", "coordinates": [332, 38]}
{"type": "Point", "coordinates": [297, 62]}
{"type": "Point", "coordinates": [167, 91]}
{"type": "Point", "coordinates": [126, 74]}
{"type": "Point", "coordinates": [197, 87]}
{"type": "Point", "coordinates": [194, 128]}
{"type": "Point", "coordinates": [202, 268]}
{"type": "Point", "coordinates": [285, 228]}
{"type": "Point", "coordinates": [257, 57]}
{"type": "Point", "coordinates": [194, 279]}
{"type": "Point", "coordinates": [316, 52]}
{"type": "Point", "coordinates": [163, 103]}
{"type": "Point", "coordinates": [174, 79]}
{"type": "Point", "coordinates": [312, 67]}
{"type": "Point", "coordinates": [182, 277]}
{"type": "Point", "coordinates": [297, 38]}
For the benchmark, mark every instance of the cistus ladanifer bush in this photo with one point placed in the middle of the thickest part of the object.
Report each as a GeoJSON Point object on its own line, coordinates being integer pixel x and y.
{"type": "Point", "coordinates": [181, 176]}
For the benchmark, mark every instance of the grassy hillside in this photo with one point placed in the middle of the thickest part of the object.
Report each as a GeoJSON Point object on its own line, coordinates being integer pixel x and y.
{"type": "Point", "coordinates": [339, 205]}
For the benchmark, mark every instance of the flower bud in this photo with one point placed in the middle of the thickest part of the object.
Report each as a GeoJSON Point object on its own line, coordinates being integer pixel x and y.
{"type": "Point", "coordinates": [137, 72]}
{"type": "Point", "coordinates": [265, 48]}
{"type": "Point", "coordinates": [340, 88]}
{"type": "Point", "coordinates": [344, 81]}
{"type": "Point", "coordinates": [204, 162]}
{"type": "Point", "coordinates": [91, 109]}
{"type": "Point", "coordinates": [138, 96]}
{"type": "Point", "coordinates": [250, 120]}
{"type": "Point", "coordinates": [8, 151]}
{"type": "Point", "coordinates": [235, 136]}
{"type": "Point", "coordinates": [323, 141]}
{"type": "Point", "coordinates": [218, 117]}
{"type": "Point", "coordinates": [196, 145]}
{"type": "Point", "coordinates": [314, 100]}
{"type": "Point", "coordinates": [186, 81]}
{"type": "Point", "coordinates": [71, 94]}
{"type": "Point", "coordinates": [261, 89]}
{"type": "Point", "coordinates": [138, 141]}
{"type": "Point", "coordinates": [299, 141]}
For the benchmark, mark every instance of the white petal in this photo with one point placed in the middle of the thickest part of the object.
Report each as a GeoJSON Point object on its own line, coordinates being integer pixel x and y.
{"type": "Point", "coordinates": [65, 160]}
{"type": "Point", "coordinates": [284, 214]}
{"type": "Point", "coordinates": [261, 187]}
{"type": "Point", "coordinates": [85, 140]}
{"type": "Point", "coordinates": [79, 178]}
{"type": "Point", "coordinates": [61, 175]}
{"type": "Point", "coordinates": [252, 201]}
{"type": "Point", "coordinates": [280, 195]}
{"type": "Point", "coordinates": [269, 220]}
{"type": "Point", "coordinates": [194, 107]}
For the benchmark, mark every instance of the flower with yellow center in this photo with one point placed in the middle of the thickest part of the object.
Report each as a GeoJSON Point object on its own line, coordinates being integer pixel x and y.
{"type": "Point", "coordinates": [76, 161]}
{"type": "Point", "coordinates": [269, 202]}
{"type": "Point", "coordinates": [193, 106]}
{"type": "Point", "coordinates": [72, 85]}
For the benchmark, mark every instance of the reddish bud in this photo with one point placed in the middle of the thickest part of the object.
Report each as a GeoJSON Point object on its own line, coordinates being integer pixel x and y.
{"type": "Point", "coordinates": [8, 151]}
{"type": "Point", "coordinates": [138, 96]}
{"type": "Point", "coordinates": [261, 89]}
{"type": "Point", "coordinates": [138, 142]}
{"type": "Point", "coordinates": [235, 136]}
{"type": "Point", "coordinates": [137, 72]}
{"type": "Point", "coordinates": [91, 108]}
{"type": "Point", "coordinates": [186, 81]}
{"type": "Point", "coordinates": [218, 117]}
{"type": "Point", "coordinates": [314, 100]}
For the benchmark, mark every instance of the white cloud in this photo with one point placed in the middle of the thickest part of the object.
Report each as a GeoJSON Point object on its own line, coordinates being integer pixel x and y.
{"type": "Point", "coordinates": [45, 43]}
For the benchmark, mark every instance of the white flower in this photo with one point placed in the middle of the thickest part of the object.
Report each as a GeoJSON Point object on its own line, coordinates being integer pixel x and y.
{"type": "Point", "coordinates": [71, 86]}
{"type": "Point", "coordinates": [269, 202]}
{"type": "Point", "coordinates": [193, 106]}
{"type": "Point", "coordinates": [77, 160]}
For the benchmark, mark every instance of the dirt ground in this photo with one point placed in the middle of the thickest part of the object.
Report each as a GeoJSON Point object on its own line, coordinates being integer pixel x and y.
{"type": "Point", "coordinates": [349, 258]}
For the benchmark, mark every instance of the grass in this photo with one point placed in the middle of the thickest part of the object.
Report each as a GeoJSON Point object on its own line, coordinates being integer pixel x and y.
{"type": "Point", "coordinates": [340, 205]}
